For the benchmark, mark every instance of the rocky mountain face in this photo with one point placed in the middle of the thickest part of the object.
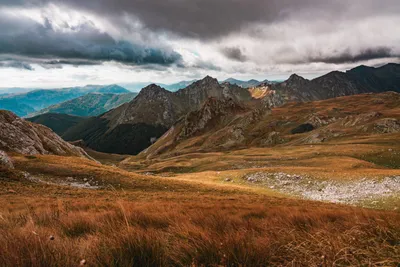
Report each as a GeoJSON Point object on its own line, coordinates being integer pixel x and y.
{"type": "Point", "coordinates": [92, 104]}
{"type": "Point", "coordinates": [26, 103]}
{"type": "Point", "coordinates": [148, 116]}
{"type": "Point", "coordinates": [27, 138]}
{"type": "Point", "coordinates": [209, 116]}
{"type": "Point", "coordinates": [219, 124]}
{"type": "Point", "coordinates": [222, 125]}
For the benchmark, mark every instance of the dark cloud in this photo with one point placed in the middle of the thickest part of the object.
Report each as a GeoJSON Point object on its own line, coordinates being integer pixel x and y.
{"type": "Point", "coordinates": [216, 18]}
{"type": "Point", "coordinates": [234, 53]}
{"type": "Point", "coordinates": [16, 64]}
{"type": "Point", "coordinates": [83, 45]}
{"type": "Point", "coordinates": [363, 55]}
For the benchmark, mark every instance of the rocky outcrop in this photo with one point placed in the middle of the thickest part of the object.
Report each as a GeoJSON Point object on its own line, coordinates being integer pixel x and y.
{"type": "Point", "coordinates": [27, 138]}
{"type": "Point", "coordinates": [208, 116]}
{"type": "Point", "coordinates": [5, 160]}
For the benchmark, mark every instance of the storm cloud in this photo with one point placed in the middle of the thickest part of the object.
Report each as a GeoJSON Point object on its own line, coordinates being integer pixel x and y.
{"type": "Point", "coordinates": [234, 53]}
{"type": "Point", "coordinates": [363, 55]}
{"type": "Point", "coordinates": [187, 39]}
{"type": "Point", "coordinates": [16, 64]}
{"type": "Point", "coordinates": [211, 18]}
{"type": "Point", "coordinates": [83, 45]}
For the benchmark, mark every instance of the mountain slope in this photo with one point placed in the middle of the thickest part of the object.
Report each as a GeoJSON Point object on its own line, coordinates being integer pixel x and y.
{"type": "Point", "coordinates": [24, 137]}
{"type": "Point", "coordinates": [136, 124]}
{"type": "Point", "coordinates": [92, 104]}
{"type": "Point", "coordinates": [342, 118]}
{"type": "Point", "coordinates": [59, 123]}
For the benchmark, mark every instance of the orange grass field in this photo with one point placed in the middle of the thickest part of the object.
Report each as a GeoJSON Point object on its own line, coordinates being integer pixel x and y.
{"type": "Point", "coordinates": [186, 219]}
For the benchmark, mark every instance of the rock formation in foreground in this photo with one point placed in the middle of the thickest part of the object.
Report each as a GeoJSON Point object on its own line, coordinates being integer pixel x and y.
{"type": "Point", "coordinates": [20, 136]}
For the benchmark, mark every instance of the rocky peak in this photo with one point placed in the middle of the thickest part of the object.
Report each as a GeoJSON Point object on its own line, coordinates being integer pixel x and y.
{"type": "Point", "coordinates": [152, 89]}
{"type": "Point", "coordinates": [206, 82]}
{"type": "Point", "coordinates": [294, 78]}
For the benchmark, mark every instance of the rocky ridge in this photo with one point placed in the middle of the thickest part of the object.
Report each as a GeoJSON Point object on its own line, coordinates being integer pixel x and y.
{"type": "Point", "coordinates": [27, 138]}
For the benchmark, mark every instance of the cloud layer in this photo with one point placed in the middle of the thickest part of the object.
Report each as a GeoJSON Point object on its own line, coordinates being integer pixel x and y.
{"type": "Point", "coordinates": [182, 39]}
{"type": "Point", "coordinates": [78, 45]}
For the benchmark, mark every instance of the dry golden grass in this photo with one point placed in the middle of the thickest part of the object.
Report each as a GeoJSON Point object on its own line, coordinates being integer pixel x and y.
{"type": "Point", "coordinates": [138, 220]}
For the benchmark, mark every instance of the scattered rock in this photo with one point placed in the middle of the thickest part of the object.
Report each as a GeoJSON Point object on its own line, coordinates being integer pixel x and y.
{"type": "Point", "coordinates": [5, 160]}
{"type": "Point", "coordinates": [349, 192]}
{"type": "Point", "coordinates": [228, 180]}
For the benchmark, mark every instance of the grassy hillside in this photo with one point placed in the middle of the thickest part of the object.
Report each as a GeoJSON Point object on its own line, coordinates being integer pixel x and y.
{"type": "Point", "coordinates": [334, 120]}
{"type": "Point", "coordinates": [129, 138]}
{"type": "Point", "coordinates": [147, 220]}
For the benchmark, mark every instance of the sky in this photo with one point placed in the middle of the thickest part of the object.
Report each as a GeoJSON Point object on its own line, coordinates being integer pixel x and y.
{"type": "Point", "coordinates": [54, 43]}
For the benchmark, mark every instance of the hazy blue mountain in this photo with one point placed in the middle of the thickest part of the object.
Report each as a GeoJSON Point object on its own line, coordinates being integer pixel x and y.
{"type": "Point", "coordinates": [137, 87]}
{"type": "Point", "coordinates": [13, 105]}
{"type": "Point", "coordinates": [92, 104]}
{"type": "Point", "coordinates": [177, 86]}
{"type": "Point", "coordinates": [14, 90]}
{"type": "Point", "coordinates": [43, 98]}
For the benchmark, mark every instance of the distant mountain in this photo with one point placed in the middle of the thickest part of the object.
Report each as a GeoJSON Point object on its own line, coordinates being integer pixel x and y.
{"type": "Point", "coordinates": [20, 136]}
{"type": "Point", "coordinates": [92, 104]}
{"type": "Point", "coordinates": [59, 123]}
{"type": "Point", "coordinates": [14, 90]}
{"type": "Point", "coordinates": [18, 108]}
{"type": "Point", "coordinates": [246, 84]}
{"type": "Point", "coordinates": [177, 86]}
{"type": "Point", "coordinates": [111, 89]}
{"type": "Point", "coordinates": [23, 104]}
{"type": "Point", "coordinates": [334, 84]}
{"type": "Point", "coordinates": [132, 127]}
{"type": "Point", "coordinates": [137, 86]}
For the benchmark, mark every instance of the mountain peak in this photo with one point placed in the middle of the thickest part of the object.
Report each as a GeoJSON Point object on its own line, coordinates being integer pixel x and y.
{"type": "Point", "coordinates": [153, 88]}
{"type": "Point", "coordinates": [208, 79]}
{"type": "Point", "coordinates": [295, 77]}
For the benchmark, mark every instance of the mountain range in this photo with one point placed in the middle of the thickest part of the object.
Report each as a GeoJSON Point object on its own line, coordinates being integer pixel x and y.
{"type": "Point", "coordinates": [26, 103]}
{"type": "Point", "coordinates": [134, 126]}
{"type": "Point", "coordinates": [130, 128]}
{"type": "Point", "coordinates": [92, 104]}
